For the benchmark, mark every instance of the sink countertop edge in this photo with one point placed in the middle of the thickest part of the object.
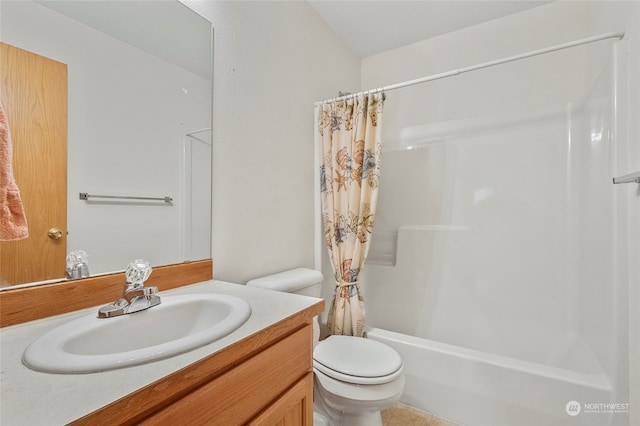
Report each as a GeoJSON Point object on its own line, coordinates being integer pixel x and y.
{"type": "Point", "coordinates": [28, 397]}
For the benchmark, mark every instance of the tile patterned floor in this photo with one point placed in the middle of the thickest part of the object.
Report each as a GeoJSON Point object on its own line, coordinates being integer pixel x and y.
{"type": "Point", "coordinates": [402, 415]}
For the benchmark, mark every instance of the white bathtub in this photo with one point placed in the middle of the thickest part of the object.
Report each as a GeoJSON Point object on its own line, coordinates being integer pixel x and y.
{"type": "Point", "coordinates": [481, 389]}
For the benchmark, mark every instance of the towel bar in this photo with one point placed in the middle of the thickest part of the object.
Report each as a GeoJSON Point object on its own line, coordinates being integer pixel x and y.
{"type": "Point", "coordinates": [630, 178]}
{"type": "Point", "coordinates": [86, 196]}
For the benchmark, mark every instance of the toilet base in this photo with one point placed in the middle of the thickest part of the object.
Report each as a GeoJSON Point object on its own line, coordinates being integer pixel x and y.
{"type": "Point", "coordinates": [321, 418]}
{"type": "Point", "coordinates": [362, 419]}
{"type": "Point", "coordinates": [325, 415]}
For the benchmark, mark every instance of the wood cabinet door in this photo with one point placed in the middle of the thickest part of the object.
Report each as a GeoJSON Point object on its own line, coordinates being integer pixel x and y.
{"type": "Point", "coordinates": [33, 90]}
{"type": "Point", "coordinates": [249, 389]}
{"type": "Point", "coordinates": [294, 408]}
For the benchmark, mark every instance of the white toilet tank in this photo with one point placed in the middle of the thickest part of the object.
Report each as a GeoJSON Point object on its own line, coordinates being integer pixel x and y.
{"type": "Point", "coordinates": [299, 281]}
{"type": "Point", "coordinates": [304, 281]}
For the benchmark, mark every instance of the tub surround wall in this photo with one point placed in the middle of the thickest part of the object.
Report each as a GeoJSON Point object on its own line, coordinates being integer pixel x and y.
{"type": "Point", "coordinates": [448, 125]}
{"type": "Point", "coordinates": [603, 16]}
{"type": "Point", "coordinates": [487, 156]}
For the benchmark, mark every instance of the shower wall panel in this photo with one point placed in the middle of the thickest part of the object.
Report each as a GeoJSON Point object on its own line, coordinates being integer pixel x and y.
{"type": "Point", "coordinates": [499, 234]}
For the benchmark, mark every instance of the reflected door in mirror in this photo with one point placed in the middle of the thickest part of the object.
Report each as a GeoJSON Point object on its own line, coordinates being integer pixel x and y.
{"type": "Point", "coordinates": [33, 90]}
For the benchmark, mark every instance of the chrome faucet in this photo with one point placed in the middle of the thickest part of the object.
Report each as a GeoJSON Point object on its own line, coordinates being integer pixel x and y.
{"type": "Point", "coordinates": [77, 265]}
{"type": "Point", "coordinates": [136, 296]}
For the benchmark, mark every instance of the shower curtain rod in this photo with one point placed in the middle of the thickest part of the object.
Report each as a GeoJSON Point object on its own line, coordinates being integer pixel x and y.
{"type": "Point", "coordinates": [616, 34]}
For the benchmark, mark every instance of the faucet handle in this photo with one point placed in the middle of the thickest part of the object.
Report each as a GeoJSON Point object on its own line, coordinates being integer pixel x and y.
{"type": "Point", "coordinates": [137, 272]}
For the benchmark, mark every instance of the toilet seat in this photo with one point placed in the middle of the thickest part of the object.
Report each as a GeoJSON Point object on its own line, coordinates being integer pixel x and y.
{"type": "Point", "coordinates": [358, 396]}
{"type": "Point", "coordinates": [357, 360]}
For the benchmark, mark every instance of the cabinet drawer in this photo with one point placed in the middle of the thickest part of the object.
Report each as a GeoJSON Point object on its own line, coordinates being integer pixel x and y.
{"type": "Point", "coordinates": [238, 395]}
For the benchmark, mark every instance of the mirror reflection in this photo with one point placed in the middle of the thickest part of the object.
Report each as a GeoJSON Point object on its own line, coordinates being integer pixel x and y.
{"type": "Point", "coordinates": [135, 97]}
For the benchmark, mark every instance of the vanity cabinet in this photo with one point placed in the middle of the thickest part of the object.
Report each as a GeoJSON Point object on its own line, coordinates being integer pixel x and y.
{"type": "Point", "coordinates": [237, 396]}
{"type": "Point", "coordinates": [264, 379]}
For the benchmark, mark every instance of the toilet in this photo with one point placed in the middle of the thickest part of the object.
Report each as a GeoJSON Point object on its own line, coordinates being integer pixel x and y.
{"type": "Point", "coordinates": [354, 378]}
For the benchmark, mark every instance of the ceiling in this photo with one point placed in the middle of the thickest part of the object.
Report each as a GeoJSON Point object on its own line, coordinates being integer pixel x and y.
{"type": "Point", "coordinates": [373, 26]}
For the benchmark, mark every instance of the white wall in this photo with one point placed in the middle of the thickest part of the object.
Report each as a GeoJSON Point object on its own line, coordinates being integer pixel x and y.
{"type": "Point", "coordinates": [272, 61]}
{"type": "Point", "coordinates": [128, 115]}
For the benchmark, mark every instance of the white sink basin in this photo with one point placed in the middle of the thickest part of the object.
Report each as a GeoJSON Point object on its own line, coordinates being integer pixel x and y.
{"type": "Point", "coordinates": [179, 324]}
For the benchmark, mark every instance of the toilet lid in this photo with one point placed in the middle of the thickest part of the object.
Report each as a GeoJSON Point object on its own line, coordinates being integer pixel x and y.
{"type": "Point", "coordinates": [357, 360]}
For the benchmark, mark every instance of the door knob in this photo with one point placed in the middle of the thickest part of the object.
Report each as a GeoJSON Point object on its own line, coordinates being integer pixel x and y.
{"type": "Point", "coordinates": [55, 233]}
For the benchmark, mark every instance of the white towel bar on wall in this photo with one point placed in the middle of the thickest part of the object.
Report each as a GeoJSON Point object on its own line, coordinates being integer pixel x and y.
{"type": "Point", "coordinates": [630, 178]}
{"type": "Point", "coordinates": [85, 196]}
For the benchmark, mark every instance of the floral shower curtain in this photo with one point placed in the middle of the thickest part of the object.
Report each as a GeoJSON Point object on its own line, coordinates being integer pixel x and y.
{"type": "Point", "coordinates": [350, 132]}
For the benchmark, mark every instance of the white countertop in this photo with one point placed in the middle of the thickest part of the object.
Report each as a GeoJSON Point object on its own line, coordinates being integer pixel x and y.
{"type": "Point", "coordinates": [32, 398]}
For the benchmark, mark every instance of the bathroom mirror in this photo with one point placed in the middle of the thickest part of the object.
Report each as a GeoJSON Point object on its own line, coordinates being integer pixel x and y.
{"type": "Point", "coordinates": [139, 125]}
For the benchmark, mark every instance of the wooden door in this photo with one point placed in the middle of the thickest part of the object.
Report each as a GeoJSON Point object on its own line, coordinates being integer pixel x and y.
{"type": "Point", "coordinates": [33, 90]}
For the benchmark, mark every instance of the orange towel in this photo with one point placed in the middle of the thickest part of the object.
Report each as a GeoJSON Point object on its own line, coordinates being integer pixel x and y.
{"type": "Point", "coordinates": [13, 222]}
